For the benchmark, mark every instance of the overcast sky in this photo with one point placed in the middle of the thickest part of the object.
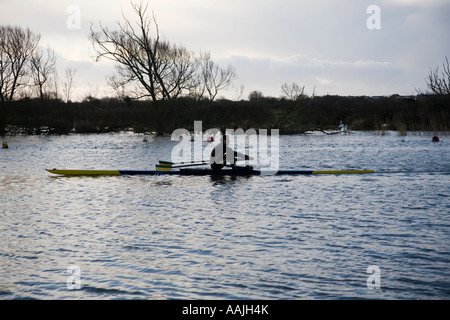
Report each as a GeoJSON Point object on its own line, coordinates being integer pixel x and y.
{"type": "Point", "coordinates": [322, 44]}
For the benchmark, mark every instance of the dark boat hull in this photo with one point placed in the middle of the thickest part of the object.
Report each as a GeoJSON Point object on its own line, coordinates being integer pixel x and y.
{"type": "Point", "coordinates": [202, 172]}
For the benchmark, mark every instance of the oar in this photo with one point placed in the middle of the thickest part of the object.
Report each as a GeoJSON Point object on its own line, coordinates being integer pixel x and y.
{"type": "Point", "coordinates": [167, 166]}
{"type": "Point", "coordinates": [181, 164]}
{"type": "Point", "coordinates": [169, 163]}
{"type": "Point", "coordinates": [247, 167]}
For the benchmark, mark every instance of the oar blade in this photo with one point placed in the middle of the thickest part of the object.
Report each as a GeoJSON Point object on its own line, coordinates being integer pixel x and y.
{"type": "Point", "coordinates": [165, 163]}
{"type": "Point", "coordinates": [163, 167]}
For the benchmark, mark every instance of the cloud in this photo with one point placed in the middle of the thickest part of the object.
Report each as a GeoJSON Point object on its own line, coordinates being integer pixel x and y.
{"type": "Point", "coordinates": [421, 3]}
{"type": "Point", "coordinates": [360, 77]}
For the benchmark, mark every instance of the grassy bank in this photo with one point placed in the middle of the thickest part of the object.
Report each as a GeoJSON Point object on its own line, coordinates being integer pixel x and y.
{"type": "Point", "coordinates": [421, 113]}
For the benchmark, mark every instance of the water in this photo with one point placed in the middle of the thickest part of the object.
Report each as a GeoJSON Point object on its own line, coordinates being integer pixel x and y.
{"type": "Point", "coordinates": [271, 237]}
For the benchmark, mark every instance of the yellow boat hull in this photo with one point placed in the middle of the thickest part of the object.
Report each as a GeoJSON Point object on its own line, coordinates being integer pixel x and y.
{"type": "Point", "coordinates": [85, 172]}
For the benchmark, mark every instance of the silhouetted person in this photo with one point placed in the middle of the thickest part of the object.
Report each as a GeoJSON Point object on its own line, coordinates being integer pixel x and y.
{"type": "Point", "coordinates": [222, 152]}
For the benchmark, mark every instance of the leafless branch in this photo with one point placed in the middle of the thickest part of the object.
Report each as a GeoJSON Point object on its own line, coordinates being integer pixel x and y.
{"type": "Point", "coordinates": [212, 77]}
{"type": "Point", "coordinates": [160, 69]}
{"type": "Point", "coordinates": [17, 46]}
{"type": "Point", "coordinates": [438, 82]}
{"type": "Point", "coordinates": [68, 83]}
{"type": "Point", "coordinates": [43, 66]}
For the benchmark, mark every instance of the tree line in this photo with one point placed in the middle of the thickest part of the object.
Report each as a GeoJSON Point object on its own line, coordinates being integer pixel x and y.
{"type": "Point", "coordinates": [161, 86]}
{"type": "Point", "coordinates": [416, 113]}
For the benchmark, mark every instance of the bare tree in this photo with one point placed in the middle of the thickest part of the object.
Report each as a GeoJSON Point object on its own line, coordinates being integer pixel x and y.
{"type": "Point", "coordinates": [68, 83]}
{"type": "Point", "coordinates": [239, 92]}
{"type": "Point", "coordinates": [53, 92]}
{"type": "Point", "coordinates": [438, 82]}
{"type": "Point", "coordinates": [293, 91]}
{"type": "Point", "coordinates": [287, 116]}
{"type": "Point", "coordinates": [119, 85]}
{"type": "Point", "coordinates": [17, 46]}
{"type": "Point", "coordinates": [212, 77]}
{"type": "Point", "coordinates": [153, 68]}
{"type": "Point", "coordinates": [43, 66]}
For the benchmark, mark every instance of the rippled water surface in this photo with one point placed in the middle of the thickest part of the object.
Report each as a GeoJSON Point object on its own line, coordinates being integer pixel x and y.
{"type": "Point", "coordinates": [262, 237]}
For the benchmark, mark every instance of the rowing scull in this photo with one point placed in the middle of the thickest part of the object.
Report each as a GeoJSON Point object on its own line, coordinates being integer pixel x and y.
{"type": "Point", "coordinates": [201, 172]}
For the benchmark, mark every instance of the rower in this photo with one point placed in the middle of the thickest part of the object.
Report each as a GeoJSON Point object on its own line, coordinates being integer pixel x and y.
{"type": "Point", "coordinates": [222, 152]}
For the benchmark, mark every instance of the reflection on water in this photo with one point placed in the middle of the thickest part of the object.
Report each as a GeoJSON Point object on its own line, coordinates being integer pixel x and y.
{"type": "Point", "coordinates": [261, 237]}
